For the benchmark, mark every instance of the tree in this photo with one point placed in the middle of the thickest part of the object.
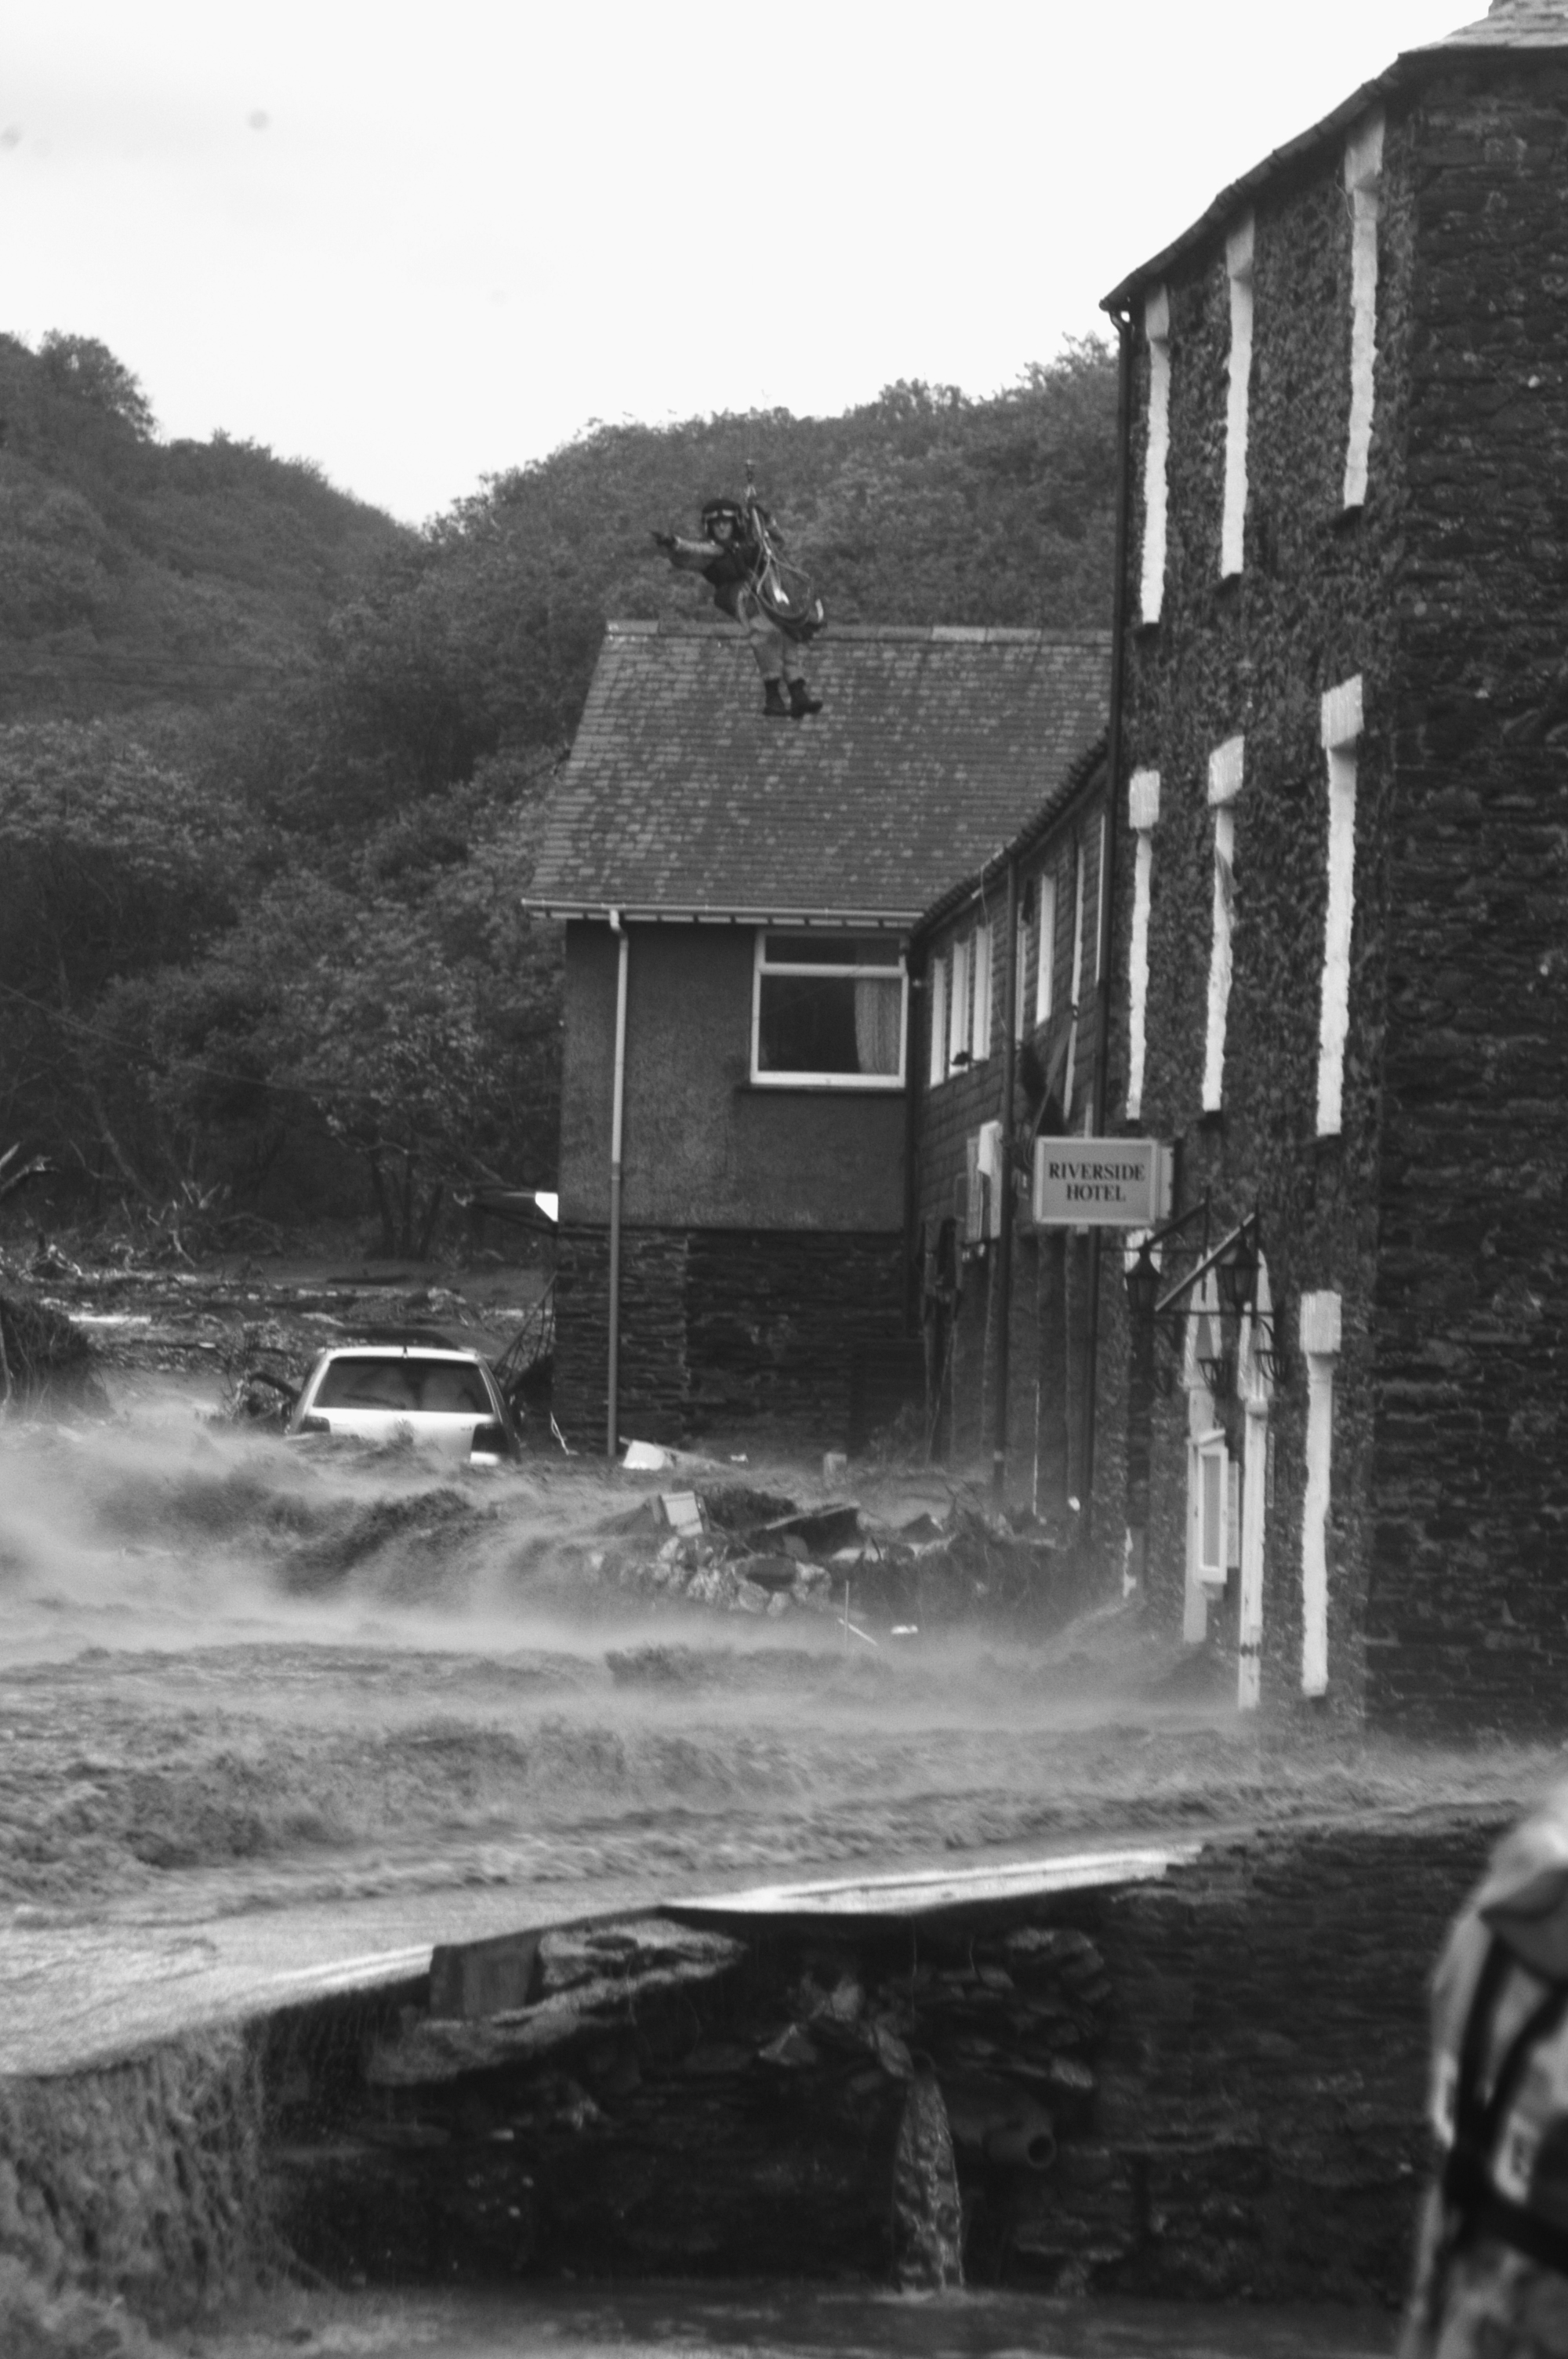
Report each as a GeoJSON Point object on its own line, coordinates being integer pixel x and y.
{"type": "Point", "coordinates": [110, 865]}
{"type": "Point", "coordinates": [83, 366]}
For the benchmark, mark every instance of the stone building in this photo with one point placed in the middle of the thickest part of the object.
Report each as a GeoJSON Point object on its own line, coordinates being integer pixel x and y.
{"type": "Point", "coordinates": [739, 895]}
{"type": "Point", "coordinates": [1008, 1053]}
{"type": "Point", "coordinates": [1340, 756]}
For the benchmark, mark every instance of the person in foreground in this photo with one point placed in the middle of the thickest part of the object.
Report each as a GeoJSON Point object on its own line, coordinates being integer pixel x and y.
{"type": "Point", "coordinates": [1491, 2274]}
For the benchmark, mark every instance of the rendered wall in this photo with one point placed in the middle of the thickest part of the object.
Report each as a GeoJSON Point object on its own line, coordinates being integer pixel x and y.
{"type": "Point", "coordinates": [703, 1147]}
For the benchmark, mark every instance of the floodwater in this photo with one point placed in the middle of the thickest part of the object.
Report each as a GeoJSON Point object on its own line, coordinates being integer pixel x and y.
{"type": "Point", "coordinates": [266, 1703]}
{"type": "Point", "coordinates": [678, 2321]}
{"type": "Point", "coordinates": [263, 1706]}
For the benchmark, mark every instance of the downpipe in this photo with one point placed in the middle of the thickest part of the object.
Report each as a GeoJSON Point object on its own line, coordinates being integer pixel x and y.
{"type": "Point", "coordinates": [617, 1129]}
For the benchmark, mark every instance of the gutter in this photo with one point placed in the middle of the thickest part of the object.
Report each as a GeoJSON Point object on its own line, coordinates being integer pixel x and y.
{"type": "Point", "coordinates": [617, 1128]}
{"type": "Point", "coordinates": [1108, 885]}
{"type": "Point", "coordinates": [670, 913]}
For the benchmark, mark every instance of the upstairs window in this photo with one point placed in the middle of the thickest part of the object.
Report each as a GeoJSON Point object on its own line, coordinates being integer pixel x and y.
{"type": "Point", "coordinates": [1363, 186]}
{"type": "Point", "coordinates": [1045, 966]}
{"type": "Point", "coordinates": [1156, 451]}
{"type": "Point", "coordinates": [828, 1011]}
{"type": "Point", "coordinates": [1238, 272]}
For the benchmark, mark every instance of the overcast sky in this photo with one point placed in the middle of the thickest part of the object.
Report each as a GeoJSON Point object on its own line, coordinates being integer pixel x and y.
{"type": "Point", "coordinates": [419, 246]}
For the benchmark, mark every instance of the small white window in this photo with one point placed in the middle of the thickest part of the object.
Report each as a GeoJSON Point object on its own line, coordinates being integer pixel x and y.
{"type": "Point", "coordinates": [829, 1010]}
{"type": "Point", "coordinates": [958, 1001]}
{"type": "Point", "coordinates": [1363, 183]}
{"type": "Point", "coordinates": [1021, 1001]}
{"type": "Point", "coordinates": [1045, 957]}
{"type": "Point", "coordinates": [1224, 775]}
{"type": "Point", "coordinates": [1156, 451]}
{"type": "Point", "coordinates": [1213, 1549]}
{"type": "Point", "coordinates": [980, 1013]}
{"type": "Point", "coordinates": [1341, 733]}
{"type": "Point", "coordinates": [936, 1017]}
{"type": "Point", "coordinates": [1079, 890]}
{"type": "Point", "coordinates": [1144, 812]}
{"type": "Point", "coordinates": [1238, 271]}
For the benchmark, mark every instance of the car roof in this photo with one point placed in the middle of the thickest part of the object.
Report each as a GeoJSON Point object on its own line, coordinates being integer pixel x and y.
{"type": "Point", "coordinates": [400, 1352]}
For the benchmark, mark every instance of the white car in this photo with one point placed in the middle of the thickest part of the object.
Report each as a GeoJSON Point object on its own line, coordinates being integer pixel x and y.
{"type": "Point", "coordinates": [442, 1399]}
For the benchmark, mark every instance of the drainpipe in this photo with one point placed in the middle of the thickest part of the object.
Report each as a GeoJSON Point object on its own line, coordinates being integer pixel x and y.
{"type": "Point", "coordinates": [1108, 871]}
{"type": "Point", "coordinates": [617, 1126]}
{"type": "Point", "coordinates": [1005, 1183]}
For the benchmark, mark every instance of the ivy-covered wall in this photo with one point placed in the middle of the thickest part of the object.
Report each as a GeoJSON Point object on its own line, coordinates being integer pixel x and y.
{"type": "Point", "coordinates": [1434, 1213]}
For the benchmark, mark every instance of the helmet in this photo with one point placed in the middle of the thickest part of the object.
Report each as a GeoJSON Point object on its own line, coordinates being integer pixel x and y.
{"type": "Point", "coordinates": [713, 510]}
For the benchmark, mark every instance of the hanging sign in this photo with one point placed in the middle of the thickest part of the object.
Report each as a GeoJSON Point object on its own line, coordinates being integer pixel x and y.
{"type": "Point", "coordinates": [1101, 1183]}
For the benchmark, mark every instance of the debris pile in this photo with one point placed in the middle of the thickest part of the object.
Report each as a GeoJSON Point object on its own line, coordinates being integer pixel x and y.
{"type": "Point", "coordinates": [743, 1551]}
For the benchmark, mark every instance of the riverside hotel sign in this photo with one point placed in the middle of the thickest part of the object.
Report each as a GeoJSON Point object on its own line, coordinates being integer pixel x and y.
{"type": "Point", "coordinates": [1101, 1183]}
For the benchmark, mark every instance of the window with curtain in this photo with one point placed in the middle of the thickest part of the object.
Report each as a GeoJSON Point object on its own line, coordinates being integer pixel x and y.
{"type": "Point", "coordinates": [829, 1010]}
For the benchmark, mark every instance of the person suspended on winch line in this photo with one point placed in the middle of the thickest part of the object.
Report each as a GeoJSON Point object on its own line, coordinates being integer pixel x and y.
{"type": "Point", "coordinates": [733, 556]}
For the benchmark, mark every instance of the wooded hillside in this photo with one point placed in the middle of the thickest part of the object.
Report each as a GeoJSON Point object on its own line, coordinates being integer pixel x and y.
{"type": "Point", "coordinates": [271, 765]}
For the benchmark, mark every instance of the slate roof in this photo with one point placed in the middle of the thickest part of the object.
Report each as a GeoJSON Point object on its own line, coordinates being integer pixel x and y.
{"type": "Point", "coordinates": [1086, 772]}
{"type": "Point", "coordinates": [680, 800]}
{"type": "Point", "coordinates": [1508, 25]}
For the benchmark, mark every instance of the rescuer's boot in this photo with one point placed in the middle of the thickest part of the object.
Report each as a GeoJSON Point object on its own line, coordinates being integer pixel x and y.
{"type": "Point", "coordinates": [801, 700]}
{"type": "Point", "coordinates": [773, 706]}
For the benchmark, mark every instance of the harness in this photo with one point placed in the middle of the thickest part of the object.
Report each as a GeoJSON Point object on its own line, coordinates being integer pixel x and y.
{"type": "Point", "coordinates": [782, 590]}
{"type": "Point", "coordinates": [1472, 2200]}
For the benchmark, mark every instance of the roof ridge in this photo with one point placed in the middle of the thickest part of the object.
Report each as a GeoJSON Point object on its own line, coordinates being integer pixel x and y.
{"type": "Point", "coordinates": [1510, 25]}
{"type": "Point", "coordinates": [700, 626]}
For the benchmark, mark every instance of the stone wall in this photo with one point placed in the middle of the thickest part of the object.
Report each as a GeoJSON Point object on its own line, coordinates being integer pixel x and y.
{"type": "Point", "coordinates": [1469, 1613]}
{"type": "Point", "coordinates": [1049, 1294]}
{"type": "Point", "coordinates": [1212, 2085]}
{"type": "Point", "coordinates": [1252, 657]}
{"type": "Point", "coordinates": [722, 1330]}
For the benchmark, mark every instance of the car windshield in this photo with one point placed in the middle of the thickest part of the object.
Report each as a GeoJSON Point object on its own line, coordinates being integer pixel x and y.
{"type": "Point", "coordinates": [450, 1387]}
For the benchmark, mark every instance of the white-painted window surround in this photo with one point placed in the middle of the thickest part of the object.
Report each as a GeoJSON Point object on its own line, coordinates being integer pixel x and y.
{"type": "Point", "coordinates": [1320, 1338]}
{"type": "Point", "coordinates": [958, 1001]}
{"type": "Point", "coordinates": [1079, 894]}
{"type": "Point", "coordinates": [1225, 774]}
{"type": "Point", "coordinates": [828, 1009]}
{"type": "Point", "coordinates": [936, 1019]}
{"type": "Point", "coordinates": [1045, 960]}
{"type": "Point", "coordinates": [1341, 734]}
{"type": "Point", "coordinates": [1156, 451]}
{"type": "Point", "coordinates": [1143, 815]}
{"type": "Point", "coordinates": [1239, 270]}
{"type": "Point", "coordinates": [980, 1010]}
{"type": "Point", "coordinates": [1364, 186]}
{"type": "Point", "coordinates": [1021, 999]}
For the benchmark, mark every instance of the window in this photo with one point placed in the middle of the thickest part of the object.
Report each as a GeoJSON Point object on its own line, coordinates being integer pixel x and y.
{"type": "Point", "coordinates": [829, 1010]}
{"type": "Point", "coordinates": [1225, 774]}
{"type": "Point", "coordinates": [961, 958]}
{"type": "Point", "coordinates": [1239, 270]}
{"type": "Point", "coordinates": [1144, 812]}
{"type": "Point", "coordinates": [1363, 182]}
{"type": "Point", "coordinates": [1341, 731]}
{"type": "Point", "coordinates": [1046, 967]}
{"type": "Point", "coordinates": [1156, 451]}
{"type": "Point", "coordinates": [980, 1011]}
{"type": "Point", "coordinates": [936, 1020]}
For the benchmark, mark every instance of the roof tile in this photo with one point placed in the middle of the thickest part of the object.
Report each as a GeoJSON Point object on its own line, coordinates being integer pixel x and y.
{"type": "Point", "coordinates": [932, 747]}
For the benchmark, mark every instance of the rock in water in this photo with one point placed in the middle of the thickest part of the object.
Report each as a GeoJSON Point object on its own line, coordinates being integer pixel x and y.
{"type": "Point", "coordinates": [927, 2216]}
